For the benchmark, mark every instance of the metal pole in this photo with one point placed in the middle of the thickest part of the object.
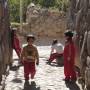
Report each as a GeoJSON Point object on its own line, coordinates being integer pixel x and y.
{"type": "Point", "coordinates": [21, 15]}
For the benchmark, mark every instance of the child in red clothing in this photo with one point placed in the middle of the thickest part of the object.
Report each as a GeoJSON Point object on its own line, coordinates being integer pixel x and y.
{"type": "Point", "coordinates": [30, 58]}
{"type": "Point", "coordinates": [69, 57]}
{"type": "Point", "coordinates": [16, 42]}
{"type": "Point", "coordinates": [15, 45]}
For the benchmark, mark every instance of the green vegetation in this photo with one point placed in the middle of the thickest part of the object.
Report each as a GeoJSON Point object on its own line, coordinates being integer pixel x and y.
{"type": "Point", "coordinates": [14, 6]}
{"type": "Point", "coordinates": [14, 24]}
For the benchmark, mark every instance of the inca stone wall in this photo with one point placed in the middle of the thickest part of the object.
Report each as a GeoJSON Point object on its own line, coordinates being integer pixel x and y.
{"type": "Point", "coordinates": [5, 46]}
{"type": "Point", "coordinates": [44, 22]}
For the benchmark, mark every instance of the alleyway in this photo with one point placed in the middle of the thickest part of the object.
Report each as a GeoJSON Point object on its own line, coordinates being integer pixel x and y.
{"type": "Point", "coordinates": [48, 77]}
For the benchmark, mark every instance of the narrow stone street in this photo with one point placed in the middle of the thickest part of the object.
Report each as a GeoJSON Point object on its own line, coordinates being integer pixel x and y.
{"type": "Point", "coordinates": [48, 77]}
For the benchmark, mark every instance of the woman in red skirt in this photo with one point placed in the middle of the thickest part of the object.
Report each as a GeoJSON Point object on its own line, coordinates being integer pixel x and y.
{"type": "Point", "coordinates": [69, 57]}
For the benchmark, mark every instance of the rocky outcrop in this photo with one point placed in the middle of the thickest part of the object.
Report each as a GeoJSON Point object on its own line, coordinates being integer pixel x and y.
{"type": "Point", "coordinates": [5, 40]}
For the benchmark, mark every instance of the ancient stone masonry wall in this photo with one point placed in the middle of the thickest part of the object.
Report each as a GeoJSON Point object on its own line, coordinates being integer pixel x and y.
{"type": "Point", "coordinates": [44, 22]}
{"type": "Point", "coordinates": [79, 21]}
{"type": "Point", "coordinates": [5, 39]}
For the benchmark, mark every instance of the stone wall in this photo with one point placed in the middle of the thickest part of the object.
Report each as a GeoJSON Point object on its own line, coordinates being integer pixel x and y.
{"type": "Point", "coordinates": [44, 22]}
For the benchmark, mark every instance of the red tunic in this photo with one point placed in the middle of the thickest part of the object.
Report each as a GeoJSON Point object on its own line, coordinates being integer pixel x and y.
{"type": "Point", "coordinates": [69, 59]}
{"type": "Point", "coordinates": [16, 46]}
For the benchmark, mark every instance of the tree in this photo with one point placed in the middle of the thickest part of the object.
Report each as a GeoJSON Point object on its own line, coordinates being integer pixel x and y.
{"type": "Point", "coordinates": [62, 4]}
{"type": "Point", "coordinates": [25, 4]}
{"type": "Point", "coordinates": [14, 10]}
{"type": "Point", "coordinates": [48, 3]}
{"type": "Point", "coordinates": [14, 6]}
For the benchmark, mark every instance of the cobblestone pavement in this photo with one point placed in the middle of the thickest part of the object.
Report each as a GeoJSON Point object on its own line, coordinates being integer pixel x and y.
{"type": "Point", "coordinates": [48, 77]}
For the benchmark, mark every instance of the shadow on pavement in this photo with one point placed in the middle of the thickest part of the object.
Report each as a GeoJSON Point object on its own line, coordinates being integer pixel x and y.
{"type": "Point", "coordinates": [72, 86]}
{"type": "Point", "coordinates": [54, 64]}
{"type": "Point", "coordinates": [57, 65]}
{"type": "Point", "coordinates": [14, 68]}
{"type": "Point", "coordinates": [31, 86]}
{"type": "Point", "coordinates": [17, 80]}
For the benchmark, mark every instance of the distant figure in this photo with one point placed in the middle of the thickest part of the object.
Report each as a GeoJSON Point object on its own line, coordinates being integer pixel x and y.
{"type": "Point", "coordinates": [30, 58]}
{"type": "Point", "coordinates": [69, 57]}
{"type": "Point", "coordinates": [56, 50]}
{"type": "Point", "coordinates": [16, 42]}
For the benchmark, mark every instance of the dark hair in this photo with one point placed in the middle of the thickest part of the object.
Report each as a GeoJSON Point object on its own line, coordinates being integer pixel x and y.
{"type": "Point", "coordinates": [12, 33]}
{"type": "Point", "coordinates": [54, 41]}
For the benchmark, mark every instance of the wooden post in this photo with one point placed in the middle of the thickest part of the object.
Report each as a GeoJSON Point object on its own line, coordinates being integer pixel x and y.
{"type": "Point", "coordinates": [21, 15]}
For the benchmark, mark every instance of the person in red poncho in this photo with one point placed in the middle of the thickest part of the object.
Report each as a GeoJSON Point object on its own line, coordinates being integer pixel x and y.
{"type": "Point", "coordinates": [69, 57]}
{"type": "Point", "coordinates": [16, 42]}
